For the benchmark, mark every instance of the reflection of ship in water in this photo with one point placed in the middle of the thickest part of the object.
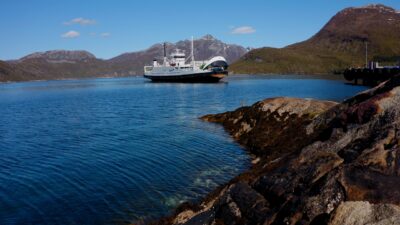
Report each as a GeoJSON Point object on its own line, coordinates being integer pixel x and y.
{"type": "Point", "coordinates": [177, 68]}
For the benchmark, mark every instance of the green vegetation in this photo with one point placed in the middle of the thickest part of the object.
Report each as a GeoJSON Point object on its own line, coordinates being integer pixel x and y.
{"type": "Point", "coordinates": [340, 44]}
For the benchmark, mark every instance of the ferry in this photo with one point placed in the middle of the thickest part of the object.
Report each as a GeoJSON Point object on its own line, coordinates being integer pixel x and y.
{"type": "Point", "coordinates": [178, 68]}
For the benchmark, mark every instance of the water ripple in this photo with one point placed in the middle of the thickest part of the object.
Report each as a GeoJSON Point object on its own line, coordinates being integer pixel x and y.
{"type": "Point", "coordinates": [106, 151]}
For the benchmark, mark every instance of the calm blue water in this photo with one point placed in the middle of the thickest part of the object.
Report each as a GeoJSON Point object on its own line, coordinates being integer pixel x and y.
{"type": "Point", "coordinates": [103, 151]}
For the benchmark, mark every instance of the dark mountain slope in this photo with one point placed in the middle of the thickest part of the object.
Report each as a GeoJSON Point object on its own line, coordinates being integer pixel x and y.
{"type": "Point", "coordinates": [9, 72]}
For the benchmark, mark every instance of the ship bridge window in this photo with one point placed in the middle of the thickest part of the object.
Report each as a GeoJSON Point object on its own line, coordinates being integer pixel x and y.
{"type": "Point", "coordinates": [179, 57]}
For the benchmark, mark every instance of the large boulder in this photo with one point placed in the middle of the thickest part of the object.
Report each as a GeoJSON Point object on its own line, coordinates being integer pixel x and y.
{"type": "Point", "coordinates": [319, 163]}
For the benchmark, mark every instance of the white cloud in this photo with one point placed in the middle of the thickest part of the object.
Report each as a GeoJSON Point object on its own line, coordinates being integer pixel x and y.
{"type": "Point", "coordinates": [81, 21]}
{"type": "Point", "coordinates": [71, 34]}
{"type": "Point", "coordinates": [106, 34]}
{"type": "Point", "coordinates": [243, 30]}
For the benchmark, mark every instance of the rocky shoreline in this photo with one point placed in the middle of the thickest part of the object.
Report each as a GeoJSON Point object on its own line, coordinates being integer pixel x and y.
{"type": "Point", "coordinates": [317, 162]}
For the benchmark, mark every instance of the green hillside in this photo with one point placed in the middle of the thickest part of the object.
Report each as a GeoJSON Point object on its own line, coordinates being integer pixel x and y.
{"type": "Point", "coordinates": [338, 45]}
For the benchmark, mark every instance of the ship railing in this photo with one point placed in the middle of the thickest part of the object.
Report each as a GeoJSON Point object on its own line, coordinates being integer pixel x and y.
{"type": "Point", "coordinates": [148, 68]}
{"type": "Point", "coordinates": [199, 63]}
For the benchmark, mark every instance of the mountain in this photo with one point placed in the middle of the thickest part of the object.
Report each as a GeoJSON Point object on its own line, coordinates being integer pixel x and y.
{"type": "Point", "coordinates": [57, 64]}
{"type": "Point", "coordinates": [205, 48]}
{"type": "Point", "coordinates": [10, 72]}
{"type": "Point", "coordinates": [60, 56]}
{"type": "Point", "coordinates": [338, 45]}
{"type": "Point", "coordinates": [62, 64]}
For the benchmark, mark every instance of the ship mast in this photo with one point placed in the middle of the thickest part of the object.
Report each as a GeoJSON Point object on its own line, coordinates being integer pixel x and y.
{"type": "Point", "coordinates": [366, 54]}
{"type": "Point", "coordinates": [192, 52]}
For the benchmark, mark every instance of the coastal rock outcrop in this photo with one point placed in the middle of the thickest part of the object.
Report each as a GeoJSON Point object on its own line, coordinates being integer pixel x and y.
{"type": "Point", "coordinates": [318, 163]}
{"type": "Point", "coordinates": [271, 127]}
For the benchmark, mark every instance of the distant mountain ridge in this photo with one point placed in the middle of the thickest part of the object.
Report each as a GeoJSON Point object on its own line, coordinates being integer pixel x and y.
{"type": "Point", "coordinates": [338, 45]}
{"type": "Point", "coordinates": [63, 64]}
{"type": "Point", "coordinates": [60, 56]}
{"type": "Point", "coordinates": [205, 47]}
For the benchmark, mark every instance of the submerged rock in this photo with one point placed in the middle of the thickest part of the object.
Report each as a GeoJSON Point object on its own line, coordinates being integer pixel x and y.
{"type": "Point", "coordinates": [317, 163]}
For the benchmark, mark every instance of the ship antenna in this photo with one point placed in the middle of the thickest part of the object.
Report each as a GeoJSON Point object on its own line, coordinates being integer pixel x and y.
{"type": "Point", "coordinates": [192, 52]}
{"type": "Point", "coordinates": [366, 54]}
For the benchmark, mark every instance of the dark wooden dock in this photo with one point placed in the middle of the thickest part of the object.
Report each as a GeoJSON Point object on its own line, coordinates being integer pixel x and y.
{"type": "Point", "coordinates": [368, 76]}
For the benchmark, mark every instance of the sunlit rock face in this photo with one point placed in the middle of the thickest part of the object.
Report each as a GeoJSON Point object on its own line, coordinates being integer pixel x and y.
{"type": "Point", "coordinates": [318, 163]}
{"type": "Point", "coordinates": [358, 213]}
{"type": "Point", "coordinates": [273, 126]}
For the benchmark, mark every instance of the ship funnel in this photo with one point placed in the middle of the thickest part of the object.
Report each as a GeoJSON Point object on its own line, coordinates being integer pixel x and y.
{"type": "Point", "coordinates": [165, 53]}
{"type": "Point", "coordinates": [165, 49]}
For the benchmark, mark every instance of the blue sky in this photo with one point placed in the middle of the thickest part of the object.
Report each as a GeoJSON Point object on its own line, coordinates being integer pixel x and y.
{"type": "Point", "coordinates": [108, 28]}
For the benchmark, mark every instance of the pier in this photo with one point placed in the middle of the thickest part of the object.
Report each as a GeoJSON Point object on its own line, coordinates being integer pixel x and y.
{"type": "Point", "coordinates": [372, 74]}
